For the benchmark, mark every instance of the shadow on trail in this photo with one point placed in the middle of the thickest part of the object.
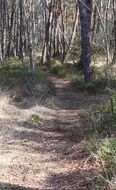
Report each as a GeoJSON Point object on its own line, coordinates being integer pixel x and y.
{"type": "Point", "coordinates": [8, 186]}
{"type": "Point", "coordinates": [64, 142]}
{"type": "Point", "coordinates": [57, 145]}
{"type": "Point", "coordinates": [62, 135]}
{"type": "Point", "coordinates": [62, 98]}
{"type": "Point", "coordinates": [67, 99]}
{"type": "Point", "coordinates": [74, 180]}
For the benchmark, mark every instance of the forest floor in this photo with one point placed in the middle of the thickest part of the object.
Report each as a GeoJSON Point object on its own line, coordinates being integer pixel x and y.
{"type": "Point", "coordinates": [52, 155]}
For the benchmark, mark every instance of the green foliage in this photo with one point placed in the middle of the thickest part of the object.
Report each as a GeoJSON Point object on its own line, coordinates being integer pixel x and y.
{"type": "Point", "coordinates": [67, 71]}
{"type": "Point", "coordinates": [107, 151]}
{"type": "Point", "coordinates": [57, 70]}
{"type": "Point", "coordinates": [55, 67]}
{"type": "Point", "coordinates": [102, 119]}
{"type": "Point", "coordinates": [92, 144]}
{"type": "Point", "coordinates": [92, 87]}
{"type": "Point", "coordinates": [53, 62]}
{"type": "Point", "coordinates": [78, 84]}
{"type": "Point", "coordinates": [75, 52]}
{"type": "Point", "coordinates": [38, 60]}
{"type": "Point", "coordinates": [102, 134]}
{"type": "Point", "coordinates": [97, 49]}
{"type": "Point", "coordinates": [11, 71]}
{"type": "Point", "coordinates": [98, 83]}
{"type": "Point", "coordinates": [99, 184]}
{"type": "Point", "coordinates": [12, 62]}
{"type": "Point", "coordinates": [35, 119]}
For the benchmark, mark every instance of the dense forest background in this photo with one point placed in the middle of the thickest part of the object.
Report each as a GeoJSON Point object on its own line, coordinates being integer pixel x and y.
{"type": "Point", "coordinates": [53, 26]}
{"type": "Point", "coordinates": [58, 94]}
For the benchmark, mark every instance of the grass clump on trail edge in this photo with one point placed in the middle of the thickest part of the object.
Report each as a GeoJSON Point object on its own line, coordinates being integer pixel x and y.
{"type": "Point", "coordinates": [92, 87]}
{"type": "Point", "coordinates": [102, 140]}
{"type": "Point", "coordinates": [34, 120]}
{"type": "Point", "coordinates": [66, 71]}
{"type": "Point", "coordinates": [96, 85]}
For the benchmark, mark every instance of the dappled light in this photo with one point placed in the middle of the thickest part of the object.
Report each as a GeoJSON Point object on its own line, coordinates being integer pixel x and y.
{"type": "Point", "coordinates": [57, 95]}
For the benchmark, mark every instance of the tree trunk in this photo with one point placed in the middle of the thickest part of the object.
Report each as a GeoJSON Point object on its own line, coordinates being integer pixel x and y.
{"type": "Point", "coordinates": [85, 21]}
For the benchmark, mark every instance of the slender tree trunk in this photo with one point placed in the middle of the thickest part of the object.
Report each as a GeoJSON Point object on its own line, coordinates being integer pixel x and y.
{"type": "Point", "coordinates": [85, 20]}
{"type": "Point", "coordinates": [72, 36]}
{"type": "Point", "coordinates": [114, 32]}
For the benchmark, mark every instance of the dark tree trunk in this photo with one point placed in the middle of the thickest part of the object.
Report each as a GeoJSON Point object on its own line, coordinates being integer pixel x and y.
{"type": "Point", "coordinates": [85, 7]}
{"type": "Point", "coordinates": [114, 32]}
{"type": "Point", "coordinates": [21, 29]}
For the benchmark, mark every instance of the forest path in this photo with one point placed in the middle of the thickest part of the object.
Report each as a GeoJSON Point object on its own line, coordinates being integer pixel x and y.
{"type": "Point", "coordinates": [51, 155]}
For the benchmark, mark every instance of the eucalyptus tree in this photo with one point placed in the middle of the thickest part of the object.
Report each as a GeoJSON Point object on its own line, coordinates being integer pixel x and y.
{"type": "Point", "coordinates": [85, 9]}
{"type": "Point", "coordinates": [51, 26]}
{"type": "Point", "coordinates": [18, 26]}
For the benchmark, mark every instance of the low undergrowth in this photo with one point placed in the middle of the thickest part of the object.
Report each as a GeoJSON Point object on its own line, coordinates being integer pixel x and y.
{"type": "Point", "coordinates": [66, 71]}
{"type": "Point", "coordinates": [13, 74]}
{"type": "Point", "coordinates": [97, 84]}
{"type": "Point", "coordinates": [73, 73]}
{"type": "Point", "coordinates": [11, 71]}
{"type": "Point", "coordinates": [102, 140]}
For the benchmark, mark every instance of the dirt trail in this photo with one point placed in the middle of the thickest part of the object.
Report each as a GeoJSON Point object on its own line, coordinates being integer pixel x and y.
{"type": "Point", "coordinates": [51, 155]}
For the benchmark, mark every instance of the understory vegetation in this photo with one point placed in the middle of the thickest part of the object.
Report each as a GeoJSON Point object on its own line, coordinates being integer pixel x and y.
{"type": "Point", "coordinates": [16, 77]}
{"type": "Point", "coordinates": [101, 134]}
{"type": "Point", "coordinates": [58, 94]}
{"type": "Point", "coordinates": [102, 140]}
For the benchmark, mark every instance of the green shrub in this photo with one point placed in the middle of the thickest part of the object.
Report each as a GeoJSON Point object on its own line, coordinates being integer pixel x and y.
{"type": "Point", "coordinates": [107, 151]}
{"type": "Point", "coordinates": [78, 85]}
{"type": "Point", "coordinates": [35, 119]}
{"type": "Point", "coordinates": [102, 136]}
{"type": "Point", "coordinates": [92, 87]}
{"type": "Point", "coordinates": [13, 74]}
{"type": "Point", "coordinates": [56, 69]}
{"type": "Point", "coordinates": [97, 84]}
{"type": "Point", "coordinates": [67, 71]}
{"type": "Point", "coordinates": [75, 51]}
{"type": "Point", "coordinates": [102, 119]}
{"type": "Point", "coordinates": [53, 62]}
